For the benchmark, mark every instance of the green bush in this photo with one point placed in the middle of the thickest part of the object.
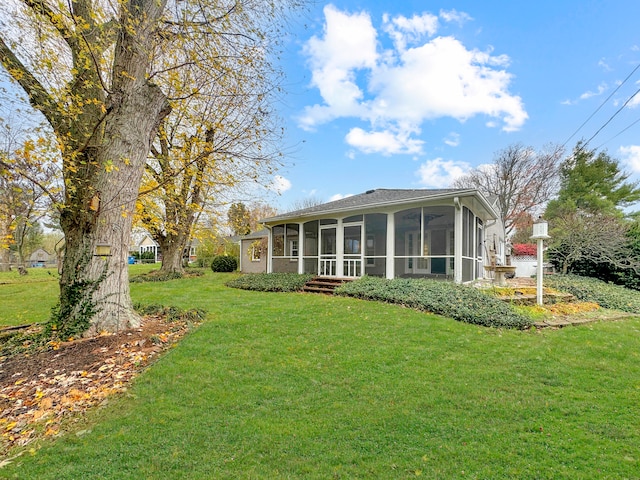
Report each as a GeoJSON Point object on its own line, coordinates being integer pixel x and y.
{"type": "Point", "coordinates": [271, 282]}
{"type": "Point", "coordinates": [589, 289]}
{"type": "Point", "coordinates": [224, 263]}
{"type": "Point", "coordinates": [466, 304]}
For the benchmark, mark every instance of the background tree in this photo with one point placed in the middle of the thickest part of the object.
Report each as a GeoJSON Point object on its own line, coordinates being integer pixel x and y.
{"type": "Point", "coordinates": [305, 202]}
{"type": "Point", "coordinates": [27, 186]}
{"type": "Point", "coordinates": [259, 211]}
{"type": "Point", "coordinates": [210, 146]}
{"type": "Point", "coordinates": [593, 182]}
{"type": "Point", "coordinates": [239, 219]}
{"type": "Point", "coordinates": [589, 232]}
{"type": "Point", "coordinates": [520, 178]}
{"type": "Point", "coordinates": [93, 69]}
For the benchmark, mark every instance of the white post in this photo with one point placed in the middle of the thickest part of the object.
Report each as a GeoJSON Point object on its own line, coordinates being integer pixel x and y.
{"type": "Point", "coordinates": [300, 248]}
{"type": "Point", "coordinates": [539, 273]}
{"type": "Point", "coordinates": [539, 234]}
{"type": "Point", "coordinates": [391, 246]}
{"type": "Point", "coordinates": [457, 239]}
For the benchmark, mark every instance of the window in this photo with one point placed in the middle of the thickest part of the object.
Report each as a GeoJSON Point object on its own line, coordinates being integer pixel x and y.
{"type": "Point", "coordinates": [293, 249]}
{"type": "Point", "coordinates": [256, 253]}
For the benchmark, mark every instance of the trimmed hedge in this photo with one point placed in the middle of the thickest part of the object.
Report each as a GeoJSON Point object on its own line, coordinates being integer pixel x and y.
{"type": "Point", "coordinates": [271, 282]}
{"type": "Point", "coordinates": [224, 263]}
{"type": "Point", "coordinates": [463, 303]}
{"type": "Point", "coordinates": [588, 289]}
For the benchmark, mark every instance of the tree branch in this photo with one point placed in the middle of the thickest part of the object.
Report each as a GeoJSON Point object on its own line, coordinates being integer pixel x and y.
{"type": "Point", "coordinates": [39, 98]}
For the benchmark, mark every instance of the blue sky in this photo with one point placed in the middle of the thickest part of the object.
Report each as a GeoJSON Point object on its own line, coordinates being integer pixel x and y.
{"type": "Point", "coordinates": [412, 94]}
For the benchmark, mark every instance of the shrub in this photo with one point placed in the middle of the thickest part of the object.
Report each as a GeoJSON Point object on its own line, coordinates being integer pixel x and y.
{"type": "Point", "coordinates": [271, 282]}
{"type": "Point", "coordinates": [529, 249]}
{"type": "Point", "coordinates": [466, 304]}
{"type": "Point", "coordinates": [588, 289]}
{"type": "Point", "coordinates": [224, 263]}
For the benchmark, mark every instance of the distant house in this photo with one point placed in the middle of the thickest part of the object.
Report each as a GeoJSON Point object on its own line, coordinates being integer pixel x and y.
{"type": "Point", "coordinates": [386, 233]}
{"type": "Point", "coordinates": [40, 258]}
{"type": "Point", "coordinates": [145, 244]}
{"type": "Point", "coordinates": [253, 252]}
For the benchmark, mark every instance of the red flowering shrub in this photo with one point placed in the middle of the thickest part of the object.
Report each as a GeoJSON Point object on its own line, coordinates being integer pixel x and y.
{"type": "Point", "coordinates": [524, 249]}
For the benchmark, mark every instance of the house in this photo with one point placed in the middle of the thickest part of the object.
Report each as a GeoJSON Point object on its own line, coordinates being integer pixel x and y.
{"type": "Point", "coordinates": [40, 258]}
{"type": "Point", "coordinates": [253, 252]}
{"type": "Point", "coordinates": [386, 233]}
{"type": "Point", "coordinates": [146, 248]}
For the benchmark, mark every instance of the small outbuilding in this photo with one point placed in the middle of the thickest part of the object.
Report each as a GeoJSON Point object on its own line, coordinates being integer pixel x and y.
{"type": "Point", "coordinates": [253, 252]}
{"type": "Point", "coordinates": [40, 258]}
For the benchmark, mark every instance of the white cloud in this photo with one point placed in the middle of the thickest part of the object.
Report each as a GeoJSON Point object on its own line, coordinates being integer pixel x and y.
{"type": "Point", "coordinates": [348, 44]}
{"type": "Point", "coordinates": [635, 101]}
{"type": "Point", "coordinates": [405, 30]}
{"type": "Point", "coordinates": [588, 94]}
{"type": "Point", "coordinates": [453, 139]}
{"type": "Point", "coordinates": [385, 142]}
{"type": "Point", "coordinates": [339, 196]}
{"type": "Point", "coordinates": [397, 90]}
{"type": "Point", "coordinates": [602, 63]}
{"type": "Point", "coordinates": [455, 16]}
{"type": "Point", "coordinates": [631, 157]}
{"type": "Point", "coordinates": [439, 173]}
{"type": "Point", "coordinates": [279, 184]}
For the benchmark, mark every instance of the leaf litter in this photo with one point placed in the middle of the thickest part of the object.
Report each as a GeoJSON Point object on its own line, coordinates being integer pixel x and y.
{"type": "Point", "coordinates": [42, 392]}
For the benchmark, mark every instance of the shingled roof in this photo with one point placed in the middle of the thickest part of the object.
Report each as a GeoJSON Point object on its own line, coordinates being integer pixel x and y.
{"type": "Point", "coordinates": [373, 198]}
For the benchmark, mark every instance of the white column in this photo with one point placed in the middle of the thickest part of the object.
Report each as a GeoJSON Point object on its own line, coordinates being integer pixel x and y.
{"type": "Point", "coordinates": [300, 248]}
{"type": "Point", "coordinates": [339, 249]}
{"type": "Point", "coordinates": [457, 252]}
{"type": "Point", "coordinates": [391, 245]}
{"type": "Point", "coordinates": [270, 250]}
{"type": "Point", "coordinates": [539, 272]}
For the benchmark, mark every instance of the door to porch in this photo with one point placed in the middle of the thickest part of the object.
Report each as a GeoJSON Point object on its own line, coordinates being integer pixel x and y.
{"type": "Point", "coordinates": [351, 260]}
{"type": "Point", "coordinates": [352, 263]}
{"type": "Point", "coordinates": [328, 252]}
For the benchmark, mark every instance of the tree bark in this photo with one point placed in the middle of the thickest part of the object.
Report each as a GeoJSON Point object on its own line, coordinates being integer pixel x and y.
{"type": "Point", "coordinates": [172, 247]}
{"type": "Point", "coordinates": [95, 286]}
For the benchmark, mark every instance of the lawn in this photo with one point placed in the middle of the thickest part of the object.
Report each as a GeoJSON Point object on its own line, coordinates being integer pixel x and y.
{"type": "Point", "coordinates": [288, 385]}
{"type": "Point", "coordinates": [29, 298]}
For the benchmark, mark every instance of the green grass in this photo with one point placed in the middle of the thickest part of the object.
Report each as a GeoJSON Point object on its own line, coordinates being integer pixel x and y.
{"type": "Point", "coordinates": [289, 385]}
{"type": "Point", "coordinates": [29, 298]}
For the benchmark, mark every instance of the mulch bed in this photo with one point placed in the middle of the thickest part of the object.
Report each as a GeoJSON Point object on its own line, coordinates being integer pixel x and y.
{"type": "Point", "coordinates": [42, 392]}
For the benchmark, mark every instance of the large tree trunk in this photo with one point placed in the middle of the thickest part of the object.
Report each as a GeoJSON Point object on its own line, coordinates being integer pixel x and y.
{"type": "Point", "coordinates": [4, 260]}
{"type": "Point", "coordinates": [94, 290]}
{"type": "Point", "coordinates": [5, 253]}
{"type": "Point", "coordinates": [172, 247]}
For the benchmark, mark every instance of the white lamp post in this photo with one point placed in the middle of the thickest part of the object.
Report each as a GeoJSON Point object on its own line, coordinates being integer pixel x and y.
{"type": "Point", "coordinates": [540, 234]}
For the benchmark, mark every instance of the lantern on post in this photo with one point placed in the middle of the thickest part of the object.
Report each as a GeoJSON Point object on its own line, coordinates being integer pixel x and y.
{"type": "Point", "coordinates": [540, 234]}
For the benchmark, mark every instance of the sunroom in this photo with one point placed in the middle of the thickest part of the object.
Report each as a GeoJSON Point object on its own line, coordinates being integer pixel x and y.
{"type": "Point", "coordinates": [385, 233]}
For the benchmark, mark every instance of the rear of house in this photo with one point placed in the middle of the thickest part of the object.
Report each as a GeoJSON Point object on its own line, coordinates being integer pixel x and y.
{"type": "Point", "coordinates": [385, 233]}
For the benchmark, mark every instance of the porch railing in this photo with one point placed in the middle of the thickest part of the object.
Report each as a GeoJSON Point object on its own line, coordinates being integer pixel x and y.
{"type": "Point", "coordinates": [352, 267]}
{"type": "Point", "coordinates": [328, 267]}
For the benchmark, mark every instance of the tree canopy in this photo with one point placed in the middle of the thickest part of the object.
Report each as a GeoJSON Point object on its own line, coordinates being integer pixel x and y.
{"type": "Point", "coordinates": [100, 72]}
{"type": "Point", "coordinates": [593, 182]}
{"type": "Point", "coordinates": [520, 178]}
{"type": "Point", "coordinates": [589, 231]}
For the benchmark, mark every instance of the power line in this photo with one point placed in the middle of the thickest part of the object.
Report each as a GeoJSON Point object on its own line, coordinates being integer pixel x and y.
{"type": "Point", "coordinates": [602, 105]}
{"type": "Point", "coordinates": [612, 117]}
{"type": "Point", "coordinates": [618, 134]}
